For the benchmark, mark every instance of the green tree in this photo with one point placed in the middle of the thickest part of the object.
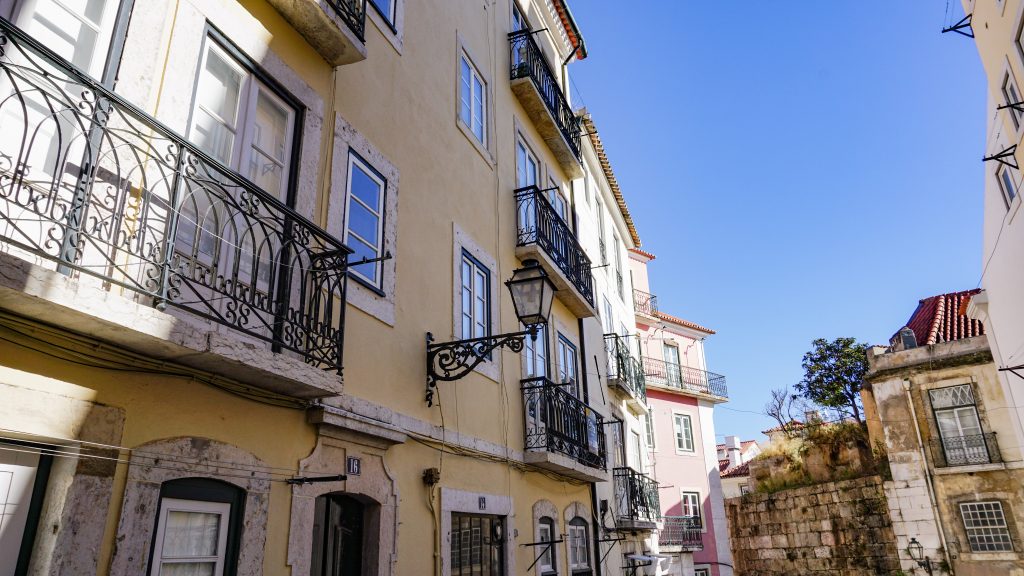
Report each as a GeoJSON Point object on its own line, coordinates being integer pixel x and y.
{"type": "Point", "coordinates": [833, 375]}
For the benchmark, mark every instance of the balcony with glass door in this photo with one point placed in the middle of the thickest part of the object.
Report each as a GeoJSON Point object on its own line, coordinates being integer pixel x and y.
{"type": "Point", "coordinates": [680, 534]}
{"type": "Point", "coordinates": [674, 376]}
{"type": "Point", "coordinates": [538, 90]}
{"type": "Point", "coordinates": [637, 506]}
{"type": "Point", "coordinates": [116, 214]}
{"type": "Point", "coordinates": [625, 371]}
{"type": "Point", "coordinates": [962, 440]}
{"type": "Point", "coordinates": [563, 434]}
{"type": "Point", "coordinates": [544, 235]}
{"type": "Point", "coordinates": [334, 28]}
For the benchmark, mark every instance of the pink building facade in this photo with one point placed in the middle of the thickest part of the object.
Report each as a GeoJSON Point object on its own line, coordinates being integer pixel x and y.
{"type": "Point", "coordinates": [680, 436]}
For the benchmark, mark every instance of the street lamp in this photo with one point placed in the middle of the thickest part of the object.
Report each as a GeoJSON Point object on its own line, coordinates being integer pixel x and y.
{"type": "Point", "coordinates": [916, 552]}
{"type": "Point", "coordinates": [532, 292]}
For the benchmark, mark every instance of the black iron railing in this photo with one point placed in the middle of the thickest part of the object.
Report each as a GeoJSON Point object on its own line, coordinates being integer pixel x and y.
{"type": "Point", "coordinates": [681, 532]}
{"type": "Point", "coordinates": [538, 223]}
{"type": "Point", "coordinates": [965, 450]}
{"type": "Point", "coordinates": [557, 421]}
{"type": "Point", "coordinates": [671, 375]}
{"type": "Point", "coordinates": [636, 497]}
{"type": "Point", "coordinates": [625, 369]}
{"type": "Point", "coordinates": [528, 62]}
{"type": "Point", "coordinates": [353, 13]}
{"type": "Point", "coordinates": [645, 302]}
{"type": "Point", "coordinates": [95, 186]}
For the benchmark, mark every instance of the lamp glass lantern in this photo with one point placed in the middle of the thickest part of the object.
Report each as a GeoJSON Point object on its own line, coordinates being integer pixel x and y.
{"type": "Point", "coordinates": [915, 549]}
{"type": "Point", "coordinates": [532, 292]}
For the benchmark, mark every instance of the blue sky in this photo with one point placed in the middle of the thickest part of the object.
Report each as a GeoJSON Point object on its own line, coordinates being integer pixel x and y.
{"type": "Point", "coordinates": [801, 170]}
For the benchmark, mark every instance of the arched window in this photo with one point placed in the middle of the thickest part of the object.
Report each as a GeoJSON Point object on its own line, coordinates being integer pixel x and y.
{"type": "Point", "coordinates": [198, 528]}
{"type": "Point", "coordinates": [579, 546]}
{"type": "Point", "coordinates": [546, 533]}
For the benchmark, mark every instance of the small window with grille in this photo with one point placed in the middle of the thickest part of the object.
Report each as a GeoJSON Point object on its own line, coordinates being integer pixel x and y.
{"type": "Point", "coordinates": [986, 527]}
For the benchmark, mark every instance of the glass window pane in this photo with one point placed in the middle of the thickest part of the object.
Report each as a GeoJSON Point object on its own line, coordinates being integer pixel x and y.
{"type": "Point", "coordinates": [365, 188]}
{"type": "Point", "coordinates": [190, 534]}
{"type": "Point", "coordinates": [361, 250]}
{"type": "Point", "coordinates": [363, 222]}
{"type": "Point", "coordinates": [269, 157]}
{"type": "Point", "coordinates": [188, 569]}
{"type": "Point", "coordinates": [71, 29]}
{"type": "Point", "coordinates": [386, 9]}
{"type": "Point", "coordinates": [213, 136]}
{"type": "Point", "coordinates": [464, 92]}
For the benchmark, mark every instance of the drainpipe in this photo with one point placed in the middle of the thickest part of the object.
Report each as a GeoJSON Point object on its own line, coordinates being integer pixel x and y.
{"type": "Point", "coordinates": [595, 528]}
{"type": "Point", "coordinates": [927, 475]}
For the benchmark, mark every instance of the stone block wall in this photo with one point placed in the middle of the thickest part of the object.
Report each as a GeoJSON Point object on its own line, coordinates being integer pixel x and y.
{"type": "Point", "coordinates": [834, 528]}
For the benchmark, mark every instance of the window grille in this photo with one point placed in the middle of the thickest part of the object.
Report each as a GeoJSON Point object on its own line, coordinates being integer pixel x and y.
{"type": "Point", "coordinates": [986, 527]}
{"type": "Point", "coordinates": [951, 396]}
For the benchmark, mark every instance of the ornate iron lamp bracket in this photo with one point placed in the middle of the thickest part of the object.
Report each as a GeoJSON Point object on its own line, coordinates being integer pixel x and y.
{"type": "Point", "coordinates": [452, 360]}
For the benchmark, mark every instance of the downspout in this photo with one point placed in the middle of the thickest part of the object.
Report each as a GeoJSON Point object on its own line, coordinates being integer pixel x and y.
{"type": "Point", "coordinates": [927, 475]}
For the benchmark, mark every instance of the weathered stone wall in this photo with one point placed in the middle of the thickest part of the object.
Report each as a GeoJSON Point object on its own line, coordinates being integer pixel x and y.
{"type": "Point", "coordinates": [835, 528]}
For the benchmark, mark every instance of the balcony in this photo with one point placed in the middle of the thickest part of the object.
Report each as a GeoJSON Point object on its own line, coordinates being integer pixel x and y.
{"type": "Point", "coordinates": [645, 303]}
{"type": "Point", "coordinates": [636, 499]}
{"type": "Point", "coordinates": [106, 214]}
{"type": "Point", "coordinates": [334, 28]}
{"type": "Point", "coordinates": [626, 373]}
{"type": "Point", "coordinates": [562, 433]}
{"type": "Point", "coordinates": [537, 89]}
{"type": "Point", "coordinates": [544, 236]}
{"type": "Point", "coordinates": [971, 450]}
{"type": "Point", "coordinates": [680, 534]}
{"type": "Point", "coordinates": [684, 378]}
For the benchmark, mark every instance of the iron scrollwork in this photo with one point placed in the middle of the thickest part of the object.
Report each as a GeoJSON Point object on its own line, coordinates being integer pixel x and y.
{"type": "Point", "coordinates": [453, 360]}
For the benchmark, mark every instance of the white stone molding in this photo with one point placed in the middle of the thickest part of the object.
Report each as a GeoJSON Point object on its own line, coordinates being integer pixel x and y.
{"type": "Point", "coordinates": [453, 500]}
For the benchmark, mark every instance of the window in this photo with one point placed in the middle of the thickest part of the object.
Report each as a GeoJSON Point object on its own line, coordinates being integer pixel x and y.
{"type": "Point", "coordinates": [527, 167]}
{"type": "Point", "coordinates": [986, 527]}
{"type": "Point", "coordinates": [601, 243]}
{"type": "Point", "coordinates": [558, 201]}
{"type": "Point", "coordinates": [1005, 177]}
{"type": "Point", "coordinates": [477, 545]}
{"type": "Point", "coordinates": [518, 20]}
{"type": "Point", "coordinates": [673, 371]}
{"type": "Point", "coordinates": [691, 508]}
{"type": "Point", "coordinates": [684, 432]}
{"type": "Point", "coordinates": [546, 533]}
{"type": "Point", "coordinates": [472, 99]}
{"type": "Point", "coordinates": [337, 536]}
{"type": "Point", "coordinates": [959, 427]}
{"type": "Point", "coordinates": [536, 353]}
{"type": "Point", "coordinates": [649, 430]}
{"type": "Point", "coordinates": [579, 551]}
{"type": "Point", "coordinates": [386, 8]}
{"type": "Point", "coordinates": [567, 364]}
{"type": "Point", "coordinates": [24, 472]}
{"type": "Point", "coordinates": [616, 250]}
{"type": "Point", "coordinates": [609, 317]}
{"type": "Point", "coordinates": [702, 572]}
{"type": "Point", "coordinates": [744, 489]}
{"type": "Point", "coordinates": [1012, 96]}
{"type": "Point", "coordinates": [77, 31]}
{"type": "Point", "coordinates": [241, 122]}
{"type": "Point", "coordinates": [635, 453]}
{"type": "Point", "coordinates": [198, 528]}
{"type": "Point", "coordinates": [364, 218]}
{"type": "Point", "coordinates": [476, 298]}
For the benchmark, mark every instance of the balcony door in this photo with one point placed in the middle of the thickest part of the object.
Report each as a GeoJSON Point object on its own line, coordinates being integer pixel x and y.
{"type": "Point", "coordinates": [962, 440]}
{"type": "Point", "coordinates": [77, 30]}
{"type": "Point", "coordinates": [672, 367]}
{"type": "Point", "coordinates": [527, 174]}
{"type": "Point", "coordinates": [23, 473]}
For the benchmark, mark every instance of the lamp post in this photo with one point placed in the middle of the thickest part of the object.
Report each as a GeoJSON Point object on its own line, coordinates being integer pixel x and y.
{"type": "Point", "coordinates": [532, 292]}
{"type": "Point", "coordinates": [916, 552]}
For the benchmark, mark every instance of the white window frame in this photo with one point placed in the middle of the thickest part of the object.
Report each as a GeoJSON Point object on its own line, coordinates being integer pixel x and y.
{"type": "Point", "coordinates": [578, 533]}
{"type": "Point", "coordinates": [691, 499]}
{"type": "Point", "coordinates": [703, 571]}
{"type": "Point", "coordinates": [1009, 81]}
{"type": "Point", "coordinates": [476, 268]}
{"type": "Point", "coordinates": [567, 363]}
{"type": "Point", "coordinates": [680, 432]}
{"type": "Point", "coordinates": [167, 505]}
{"type": "Point", "coordinates": [18, 10]}
{"type": "Point", "coordinates": [516, 9]}
{"type": "Point", "coordinates": [547, 562]}
{"type": "Point", "coordinates": [1001, 532]}
{"type": "Point", "coordinates": [535, 353]}
{"type": "Point", "coordinates": [250, 91]}
{"type": "Point", "coordinates": [378, 243]}
{"type": "Point", "coordinates": [1009, 196]}
{"type": "Point", "coordinates": [474, 77]}
{"type": "Point", "coordinates": [650, 433]}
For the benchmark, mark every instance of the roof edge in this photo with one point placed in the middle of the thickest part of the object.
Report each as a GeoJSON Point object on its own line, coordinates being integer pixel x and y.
{"type": "Point", "coordinates": [571, 28]}
{"type": "Point", "coordinates": [609, 174]}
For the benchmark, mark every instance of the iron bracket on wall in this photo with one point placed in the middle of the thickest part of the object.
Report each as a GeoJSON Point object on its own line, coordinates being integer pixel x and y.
{"type": "Point", "coordinates": [315, 479]}
{"type": "Point", "coordinates": [614, 541]}
{"type": "Point", "coordinates": [1015, 106]}
{"type": "Point", "coordinates": [1013, 370]}
{"type": "Point", "coordinates": [547, 546]}
{"type": "Point", "coordinates": [452, 360]}
{"type": "Point", "coordinates": [963, 27]}
{"type": "Point", "coordinates": [1006, 157]}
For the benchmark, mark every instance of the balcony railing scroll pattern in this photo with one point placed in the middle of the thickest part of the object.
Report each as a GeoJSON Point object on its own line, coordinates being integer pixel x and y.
{"type": "Point", "coordinates": [625, 368]}
{"type": "Point", "coordinates": [645, 302]}
{"type": "Point", "coordinates": [92, 186]}
{"type": "Point", "coordinates": [528, 62]}
{"type": "Point", "coordinates": [969, 450]}
{"type": "Point", "coordinates": [636, 497]}
{"type": "Point", "coordinates": [538, 223]}
{"type": "Point", "coordinates": [681, 532]}
{"type": "Point", "coordinates": [557, 421]}
{"type": "Point", "coordinates": [353, 13]}
{"type": "Point", "coordinates": [670, 375]}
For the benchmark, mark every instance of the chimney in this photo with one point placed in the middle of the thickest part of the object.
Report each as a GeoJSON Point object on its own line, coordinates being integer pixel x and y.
{"type": "Point", "coordinates": [732, 449]}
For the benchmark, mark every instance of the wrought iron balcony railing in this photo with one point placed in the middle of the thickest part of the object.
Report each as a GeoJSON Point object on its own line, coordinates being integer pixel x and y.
{"type": "Point", "coordinates": [681, 532]}
{"type": "Point", "coordinates": [965, 450]}
{"type": "Point", "coordinates": [625, 370]}
{"type": "Point", "coordinates": [353, 13]}
{"type": "Point", "coordinates": [538, 223]}
{"type": "Point", "coordinates": [636, 498]}
{"type": "Point", "coordinates": [671, 375]}
{"type": "Point", "coordinates": [96, 187]}
{"type": "Point", "coordinates": [557, 421]}
{"type": "Point", "coordinates": [528, 62]}
{"type": "Point", "coordinates": [645, 302]}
